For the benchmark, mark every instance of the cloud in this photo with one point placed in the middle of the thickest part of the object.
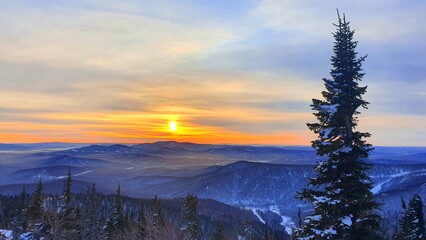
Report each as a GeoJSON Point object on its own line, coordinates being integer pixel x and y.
{"type": "Point", "coordinates": [227, 71]}
{"type": "Point", "coordinates": [381, 21]}
{"type": "Point", "coordinates": [103, 40]}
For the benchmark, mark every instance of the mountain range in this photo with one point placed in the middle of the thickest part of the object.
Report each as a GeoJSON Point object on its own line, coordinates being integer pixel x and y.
{"type": "Point", "coordinates": [263, 179]}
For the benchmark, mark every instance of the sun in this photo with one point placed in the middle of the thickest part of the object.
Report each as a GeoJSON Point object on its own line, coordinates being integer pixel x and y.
{"type": "Point", "coordinates": [172, 126]}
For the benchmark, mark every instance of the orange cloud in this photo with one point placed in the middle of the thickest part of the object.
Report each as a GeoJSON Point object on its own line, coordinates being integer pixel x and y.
{"type": "Point", "coordinates": [129, 127]}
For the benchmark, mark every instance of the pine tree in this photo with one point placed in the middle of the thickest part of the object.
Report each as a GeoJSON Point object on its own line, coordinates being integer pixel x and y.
{"type": "Point", "coordinates": [404, 223]}
{"type": "Point", "coordinates": [344, 206]}
{"type": "Point", "coordinates": [299, 217]}
{"type": "Point", "coordinates": [92, 215]}
{"type": "Point", "coordinates": [36, 208]}
{"type": "Point", "coordinates": [20, 222]}
{"type": "Point", "coordinates": [142, 225]}
{"type": "Point", "coordinates": [190, 213]}
{"type": "Point", "coordinates": [36, 212]}
{"type": "Point", "coordinates": [116, 221]}
{"type": "Point", "coordinates": [218, 233]}
{"type": "Point", "coordinates": [70, 225]}
{"type": "Point", "coordinates": [157, 228]}
{"type": "Point", "coordinates": [158, 217]}
{"type": "Point", "coordinates": [66, 193]}
{"type": "Point", "coordinates": [117, 207]}
{"type": "Point", "coordinates": [66, 207]}
{"type": "Point", "coordinates": [412, 222]}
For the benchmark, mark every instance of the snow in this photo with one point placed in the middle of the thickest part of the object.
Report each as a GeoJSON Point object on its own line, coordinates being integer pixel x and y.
{"type": "Point", "coordinates": [286, 221]}
{"type": "Point", "coordinates": [376, 189]}
{"type": "Point", "coordinates": [323, 199]}
{"type": "Point", "coordinates": [314, 218]}
{"type": "Point", "coordinates": [255, 212]}
{"type": "Point", "coordinates": [326, 232]}
{"type": "Point", "coordinates": [86, 172]}
{"type": "Point", "coordinates": [347, 221]}
{"type": "Point", "coordinates": [326, 132]}
{"type": "Point", "coordinates": [330, 231]}
{"type": "Point", "coordinates": [44, 175]}
{"type": "Point", "coordinates": [337, 191]}
{"type": "Point", "coordinates": [336, 74]}
{"type": "Point", "coordinates": [346, 149]}
{"type": "Point", "coordinates": [8, 235]}
{"type": "Point", "coordinates": [331, 109]}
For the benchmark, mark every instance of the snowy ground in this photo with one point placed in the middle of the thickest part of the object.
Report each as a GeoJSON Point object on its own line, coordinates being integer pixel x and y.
{"type": "Point", "coordinates": [286, 221]}
{"type": "Point", "coordinates": [7, 235]}
{"type": "Point", "coordinates": [376, 189]}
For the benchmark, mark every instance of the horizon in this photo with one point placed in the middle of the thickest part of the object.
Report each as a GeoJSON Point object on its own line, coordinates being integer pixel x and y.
{"type": "Point", "coordinates": [200, 143]}
{"type": "Point", "coordinates": [237, 73]}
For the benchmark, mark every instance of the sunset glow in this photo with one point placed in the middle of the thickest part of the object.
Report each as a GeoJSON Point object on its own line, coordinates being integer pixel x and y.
{"type": "Point", "coordinates": [172, 126]}
{"type": "Point", "coordinates": [228, 72]}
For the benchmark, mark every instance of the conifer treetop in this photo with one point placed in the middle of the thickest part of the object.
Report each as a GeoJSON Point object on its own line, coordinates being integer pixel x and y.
{"type": "Point", "coordinates": [344, 206]}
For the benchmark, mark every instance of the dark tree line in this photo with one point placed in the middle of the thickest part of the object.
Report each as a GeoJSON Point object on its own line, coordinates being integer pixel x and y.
{"type": "Point", "coordinates": [90, 215]}
{"type": "Point", "coordinates": [93, 215]}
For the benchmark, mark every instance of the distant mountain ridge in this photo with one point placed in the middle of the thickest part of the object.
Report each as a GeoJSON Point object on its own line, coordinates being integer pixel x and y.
{"type": "Point", "coordinates": [294, 155]}
{"type": "Point", "coordinates": [38, 146]}
{"type": "Point", "coordinates": [253, 177]}
{"type": "Point", "coordinates": [74, 161]}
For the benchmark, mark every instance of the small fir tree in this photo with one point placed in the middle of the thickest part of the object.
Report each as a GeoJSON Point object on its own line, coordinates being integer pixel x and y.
{"type": "Point", "coordinates": [190, 213]}
{"type": "Point", "coordinates": [344, 206]}
{"type": "Point", "coordinates": [36, 208]}
{"type": "Point", "coordinates": [92, 215]}
{"type": "Point", "coordinates": [142, 225]}
{"type": "Point", "coordinates": [412, 222]}
{"type": "Point", "coordinates": [70, 218]}
{"type": "Point", "coordinates": [66, 193]}
{"type": "Point", "coordinates": [116, 221]}
{"type": "Point", "coordinates": [36, 212]}
{"type": "Point", "coordinates": [158, 216]}
{"type": "Point", "coordinates": [20, 222]}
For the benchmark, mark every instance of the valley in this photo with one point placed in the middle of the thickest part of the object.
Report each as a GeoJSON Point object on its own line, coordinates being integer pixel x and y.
{"type": "Point", "coordinates": [262, 179]}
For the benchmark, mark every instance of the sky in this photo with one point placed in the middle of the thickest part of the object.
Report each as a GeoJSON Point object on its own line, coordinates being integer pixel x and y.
{"type": "Point", "coordinates": [238, 72]}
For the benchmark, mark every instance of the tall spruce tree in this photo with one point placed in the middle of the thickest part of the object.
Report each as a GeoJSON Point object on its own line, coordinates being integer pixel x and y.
{"type": "Point", "coordinates": [92, 215]}
{"type": "Point", "coordinates": [344, 206]}
{"type": "Point", "coordinates": [70, 225]}
{"type": "Point", "coordinates": [20, 221]}
{"type": "Point", "coordinates": [117, 209]}
{"type": "Point", "coordinates": [35, 211]}
{"type": "Point", "coordinates": [158, 216]}
{"type": "Point", "coordinates": [141, 225]}
{"type": "Point", "coordinates": [66, 193]}
{"type": "Point", "coordinates": [190, 213]}
{"type": "Point", "coordinates": [116, 221]}
{"type": "Point", "coordinates": [412, 222]}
